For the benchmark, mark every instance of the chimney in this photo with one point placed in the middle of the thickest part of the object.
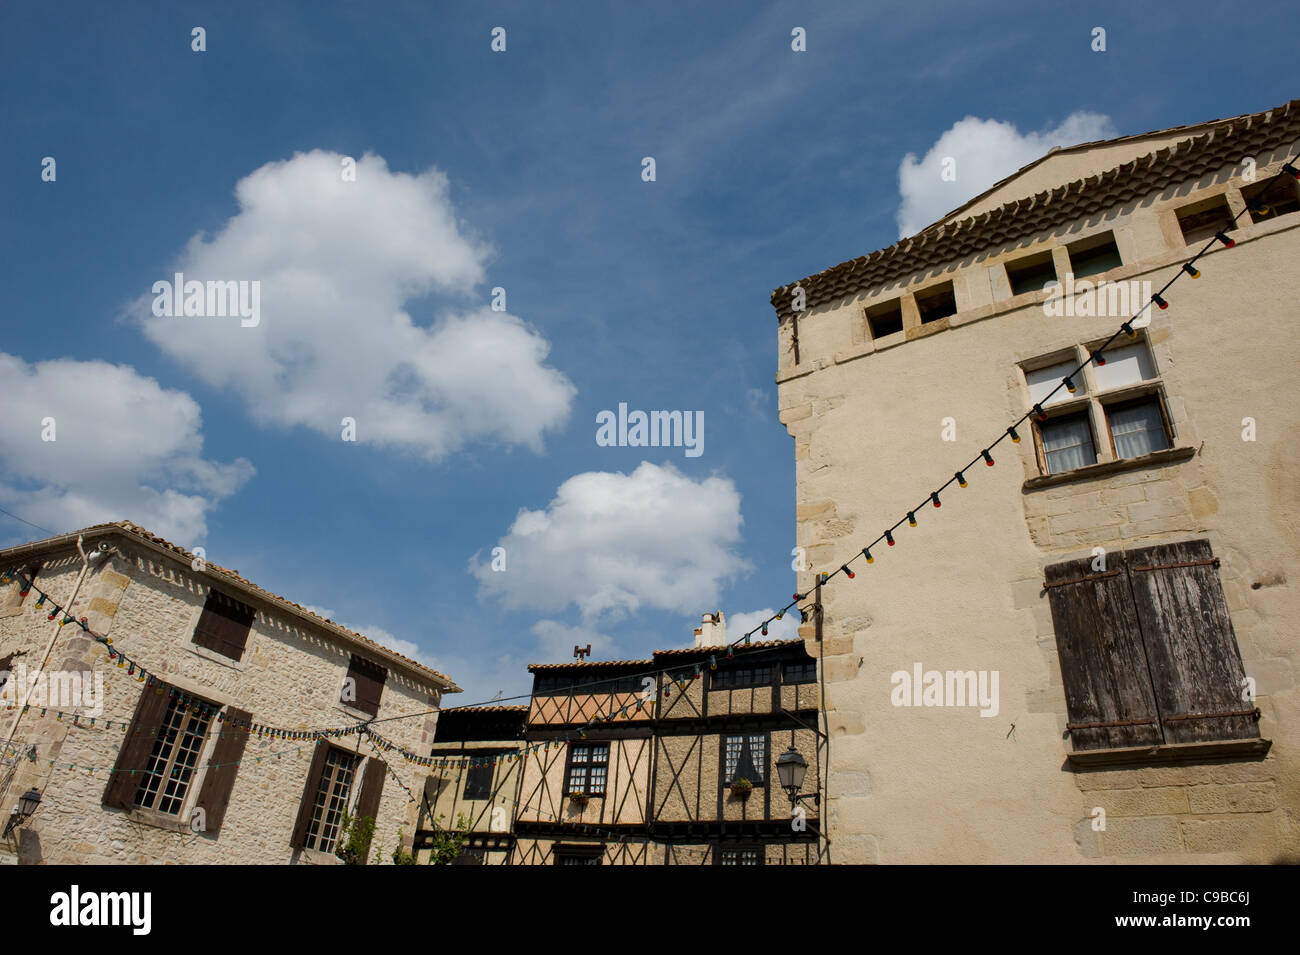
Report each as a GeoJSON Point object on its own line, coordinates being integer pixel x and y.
{"type": "Point", "coordinates": [712, 631]}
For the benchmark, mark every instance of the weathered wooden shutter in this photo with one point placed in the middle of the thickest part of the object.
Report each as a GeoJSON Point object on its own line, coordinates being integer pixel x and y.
{"type": "Point", "coordinates": [1195, 663]}
{"type": "Point", "coordinates": [1108, 691]}
{"type": "Point", "coordinates": [372, 787]}
{"type": "Point", "coordinates": [219, 780]}
{"type": "Point", "coordinates": [224, 625]}
{"type": "Point", "coordinates": [314, 772]}
{"type": "Point", "coordinates": [137, 744]}
{"type": "Point", "coordinates": [369, 680]}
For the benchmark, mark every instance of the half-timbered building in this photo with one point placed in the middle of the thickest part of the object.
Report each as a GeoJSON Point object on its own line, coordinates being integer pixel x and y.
{"type": "Point", "coordinates": [671, 759]}
{"type": "Point", "coordinates": [474, 782]}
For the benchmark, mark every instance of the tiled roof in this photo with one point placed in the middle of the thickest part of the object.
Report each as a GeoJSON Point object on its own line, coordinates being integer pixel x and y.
{"type": "Point", "coordinates": [533, 667]}
{"type": "Point", "coordinates": [352, 636]}
{"type": "Point", "coordinates": [484, 709]}
{"type": "Point", "coordinates": [1223, 143]}
{"type": "Point", "coordinates": [704, 651]}
{"type": "Point", "coordinates": [682, 652]}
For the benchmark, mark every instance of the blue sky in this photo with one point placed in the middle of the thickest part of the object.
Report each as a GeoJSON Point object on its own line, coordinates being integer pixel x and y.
{"type": "Point", "coordinates": [521, 170]}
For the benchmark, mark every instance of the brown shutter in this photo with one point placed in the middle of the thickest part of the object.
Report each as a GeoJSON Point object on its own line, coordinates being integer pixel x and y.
{"type": "Point", "coordinates": [372, 787]}
{"type": "Point", "coordinates": [299, 837]}
{"type": "Point", "coordinates": [369, 679]}
{"type": "Point", "coordinates": [214, 795]}
{"type": "Point", "coordinates": [137, 744]}
{"type": "Point", "coordinates": [224, 625]}
{"type": "Point", "coordinates": [1195, 663]}
{"type": "Point", "coordinates": [1108, 690]}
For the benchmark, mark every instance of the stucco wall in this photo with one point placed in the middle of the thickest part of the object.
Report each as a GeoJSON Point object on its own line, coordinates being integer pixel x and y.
{"type": "Point", "coordinates": [962, 590]}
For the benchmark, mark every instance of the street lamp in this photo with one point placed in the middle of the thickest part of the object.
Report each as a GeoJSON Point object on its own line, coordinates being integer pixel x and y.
{"type": "Point", "coordinates": [791, 768]}
{"type": "Point", "coordinates": [27, 804]}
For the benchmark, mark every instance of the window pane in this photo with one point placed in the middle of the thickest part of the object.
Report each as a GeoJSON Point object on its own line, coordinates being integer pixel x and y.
{"type": "Point", "coordinates": [1137, 429]}
{"type": "Point", "coordinates": [1043, 380]}
{"type": "Point", "coordinates": [1067, 443]}
{"type": "Point", "coordinates": [1125, 366]}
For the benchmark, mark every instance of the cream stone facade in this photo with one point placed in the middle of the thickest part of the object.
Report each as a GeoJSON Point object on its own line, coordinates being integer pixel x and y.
{"type": "Point", "coordinates": [880, 421]}
{"type": "Point", "coordinates": [149, 597]}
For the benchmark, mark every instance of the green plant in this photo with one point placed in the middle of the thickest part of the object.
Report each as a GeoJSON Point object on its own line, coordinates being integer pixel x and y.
{"type": "Point", "coordinates": [400, 855]}
{"type": "Point", "coordinates": [355, 835]}
{"type": "Point", "coordinates": [742, 787]}
{"type": "Point", "coordinates": [447, 844]}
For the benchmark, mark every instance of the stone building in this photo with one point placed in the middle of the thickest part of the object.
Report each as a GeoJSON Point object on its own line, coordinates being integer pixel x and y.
{"type": "Point", "coordinates": [671, 759]}
{"type": "Point", "coordinates": [1089, 652]}
{"type": "Point", "coordinates": [217, 726]}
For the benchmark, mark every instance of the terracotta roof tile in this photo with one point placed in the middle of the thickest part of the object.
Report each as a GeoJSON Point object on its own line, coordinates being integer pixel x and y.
{"type": "Point", "coordinates": [680, 652]}
{"type": "Point", "coordinates": [1224, 143]}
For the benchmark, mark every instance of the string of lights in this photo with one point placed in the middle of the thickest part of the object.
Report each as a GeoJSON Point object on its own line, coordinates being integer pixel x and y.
{"type": "Point", "coordinates": [1097, 356]}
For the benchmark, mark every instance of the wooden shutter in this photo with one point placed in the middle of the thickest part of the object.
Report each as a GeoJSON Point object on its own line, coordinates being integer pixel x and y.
{"type": "Point", "coordinates": [314, 772]}
{"type": "Point", "coordinates": [372, 787]}
{"type": "Point", "coordinates": [369, 680]}
{"type": "Point", "coordinates": [219, 780]}
{"type": "Point", "coordinates": [224, 625]}
{"type": "Point", "coordinates": [1195, 663]}
{"type": "Point", "coordinates": [137, 745]}
{"type": "Point", "coordinates": [1108, 691]}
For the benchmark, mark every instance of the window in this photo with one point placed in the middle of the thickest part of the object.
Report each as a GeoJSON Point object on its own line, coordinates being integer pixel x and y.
{"type": "Point", "coordinates": [578, 855]}
{"type": "Point", "coordinates": [588, 765]}
{"type": "Point", "coordinates": [332, 791]}
{"type": "Point", "coordinates": [563, 684]}
{"type": "Point", "coordinates": [751, 855]}
{"type": "Point", "coordinates": [167, 776]}
{"type": "Point", "coordinates": [327, 793]}
{"type": "Point", "coordinates": [936, 302]}
{"type": "Point", "coordinates": [744, 756]}
{"type": "Point", "coordinates": [800, 672]}
{"type": "Point", "coordinates": [1270, 199]}
{"type": "Point", "coordinates": [1031, 273]}
{"type": "Point", "coordinates": [885, 319]}
{"type": "Point", "coordinates": [1137, 427]}
{"type": "Point", "coordinates": [1094, 255]}
{"type": "Point", "coordinates": [1148, 655]}
{"type": "Point", "coordinates": [478, 779]}
{"type": "Point", "coordinates": [1115, 413]}
{"type": "Point", "coordinates": [364, 685]}
{"type": "Point", "coordinates": [1067, 442]}
{"type": "Point", "coordinates": [162, 750]}
{"type": "Point", "coordinates": [731, 678]}
{"type": "Point", "coordinates": [224, 625]}
{"type": "Point", "coordinates": [1201, 220]}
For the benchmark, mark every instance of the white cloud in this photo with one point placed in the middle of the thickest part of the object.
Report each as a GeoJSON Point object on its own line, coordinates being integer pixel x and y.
{"type": "Point", "coordinates": [985, 151]}
{"type": "Point", "coordinates": [337, 262]}
{"type": "Point", "coordinates": [125, 448]}
{"type": "Point", "coordinates": [609, 543]}
{"type": "Point", "coordinates": [787, 628]}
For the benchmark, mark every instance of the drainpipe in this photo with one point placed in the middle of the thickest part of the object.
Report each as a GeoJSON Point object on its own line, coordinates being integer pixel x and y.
{"type": "Point", "coordinates": [54, 636]}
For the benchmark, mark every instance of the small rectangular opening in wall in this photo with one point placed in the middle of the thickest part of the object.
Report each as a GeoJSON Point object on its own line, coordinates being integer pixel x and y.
{"type": "Point", "coordinates": [1094, 255]}
{"type": "Point", "coordinates": [1270, 199]}
{"type": "Point", "coordinates": [936, 302]}
{"type": "Point", "coordinates": [1031, 273]}
{"type": "Point", "coordinates": [885, 319]}
{"type": "Point", "coordinates": [1201, 220]}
